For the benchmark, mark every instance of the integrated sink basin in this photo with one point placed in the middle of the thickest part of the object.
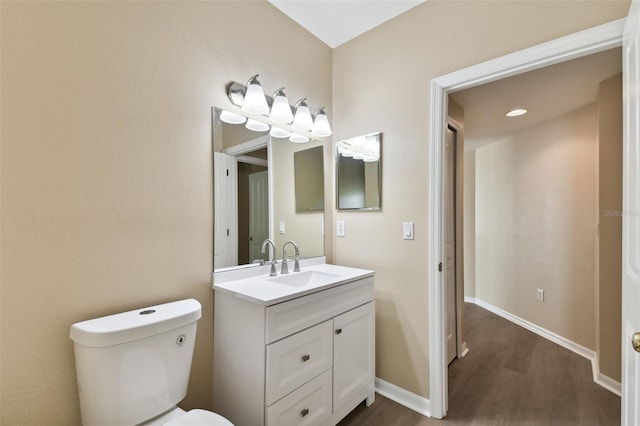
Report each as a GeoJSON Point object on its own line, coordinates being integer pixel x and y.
{"type": "Point", "coordinates": [255, 284]}
{"type": "Point", "coordinates": [305, 278]}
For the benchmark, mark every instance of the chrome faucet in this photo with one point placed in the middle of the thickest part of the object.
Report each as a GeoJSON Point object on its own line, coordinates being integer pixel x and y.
{"type": "Point", "coordinates": [272, 272]}
{"type": "Point", "coordinates": [284, 269]}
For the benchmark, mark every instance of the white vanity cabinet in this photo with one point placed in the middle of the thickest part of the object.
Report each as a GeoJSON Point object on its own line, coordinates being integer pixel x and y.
{"type": "Point", "coordinates": [308, 360]}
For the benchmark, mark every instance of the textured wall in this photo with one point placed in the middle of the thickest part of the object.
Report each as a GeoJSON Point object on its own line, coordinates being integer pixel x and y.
{"type": "Point", "coordinates": [535, 224]}
{"type": "Point", "coordinates": [381, 83]}
{"type": "Point", "coordinates": [106, 169]}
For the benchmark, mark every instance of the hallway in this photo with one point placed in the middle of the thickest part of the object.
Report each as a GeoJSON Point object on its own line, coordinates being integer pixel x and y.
{"type": "Point", "coordinates": [510, 377]}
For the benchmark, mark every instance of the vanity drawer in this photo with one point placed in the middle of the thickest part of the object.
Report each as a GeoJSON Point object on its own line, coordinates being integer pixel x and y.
{"type": "Point", "coordinates": [308, 405]}
{"type": "Point", "coordinates": [294, 315]}
{"type": "Point", "coordinates": [293, 361]}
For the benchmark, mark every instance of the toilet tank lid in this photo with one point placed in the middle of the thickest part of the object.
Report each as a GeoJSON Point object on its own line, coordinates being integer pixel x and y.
{"type": "Point", "coordinates": [137, 324]}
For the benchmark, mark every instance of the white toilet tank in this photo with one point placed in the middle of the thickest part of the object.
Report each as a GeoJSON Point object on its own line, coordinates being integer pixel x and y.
{"type": "Point", "coordinates": [135, 365]}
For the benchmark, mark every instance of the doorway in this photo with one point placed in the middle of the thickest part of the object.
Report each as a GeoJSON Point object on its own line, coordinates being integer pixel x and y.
{"type": "Point", "coordinates": [570, 47]}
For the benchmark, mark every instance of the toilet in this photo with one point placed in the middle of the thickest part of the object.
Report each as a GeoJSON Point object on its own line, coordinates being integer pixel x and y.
{"type": "Point", "coordinates": [133, 368]}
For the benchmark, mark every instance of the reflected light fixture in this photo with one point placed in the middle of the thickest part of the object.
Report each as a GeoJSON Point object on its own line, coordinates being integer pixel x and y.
{"type": "Point", "coordinates": [516, 112]}
{"type": "Point", "coordinates": [302, 119]}
{"type": "Point", "coordinates": [256, 126]}
{"type": "Point", "coordinates": [254, 100]}
{"type": "Point", "coordinates": [232, 117]}
{"type": "Point", "coordinates": [280, 108]}
{"type": "Point", "coordinates": [321, 126]}
{"type": "Point", "coordinates": [277, 132]}
{"type": "Point", "coordinates": [297, 138]}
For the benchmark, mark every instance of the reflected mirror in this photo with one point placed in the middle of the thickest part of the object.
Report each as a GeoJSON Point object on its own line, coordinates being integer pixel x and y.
{"type": "Point", "coordinates": [359, 173]}
{"type": "Point", "coordinates": [255, 186]}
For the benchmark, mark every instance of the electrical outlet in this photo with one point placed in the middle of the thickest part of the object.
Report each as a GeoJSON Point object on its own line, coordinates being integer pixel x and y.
{"type": "Point", "coordinates": [540, 295]}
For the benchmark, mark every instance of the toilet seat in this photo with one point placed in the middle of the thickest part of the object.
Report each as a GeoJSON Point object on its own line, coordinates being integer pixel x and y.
{"type": "Point", "coordinates": [199, 417]}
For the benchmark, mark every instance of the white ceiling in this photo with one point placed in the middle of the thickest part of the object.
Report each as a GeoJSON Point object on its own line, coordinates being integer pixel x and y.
{"type": "Point", "coordinates": [338, 21]}
{"type": "Point", "coordinates": [546, 93]}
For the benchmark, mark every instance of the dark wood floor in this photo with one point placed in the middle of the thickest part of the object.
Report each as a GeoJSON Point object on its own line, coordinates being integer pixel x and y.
{"type": "Point", "coordinates": [510, 377]}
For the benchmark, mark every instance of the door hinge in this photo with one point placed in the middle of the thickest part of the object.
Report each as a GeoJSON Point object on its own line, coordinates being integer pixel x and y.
{"type": "Point", "coordinates": [227, 232]}
{"type": "Point", "coordinates": [227, 172]}
{"type": "Point", "coordinates": [440, 267]}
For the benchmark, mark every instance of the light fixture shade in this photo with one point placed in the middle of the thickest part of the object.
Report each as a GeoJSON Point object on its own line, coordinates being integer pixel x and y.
{"type": "Point", "coordinates": [256, 126]}
{"type": "Point", "coordinates": [298, 138]}
{"type": "Point", "coordinates": [302, 120]}
{"type": "Point", "coordinates": [280, 109]}
{"type": "Point", "coordinates": [231, 117]}
{"type": "Point", "coordinates": [321, 127]}
{"type": "Point", "coordinates": [277, 132]}
{"type": "Point", "coordinates": [254, 100]}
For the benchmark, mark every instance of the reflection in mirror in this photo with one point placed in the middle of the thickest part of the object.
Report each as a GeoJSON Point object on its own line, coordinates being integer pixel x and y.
{"type": "Point", "coordinates": [254, 196]}
{"type": "Point", "coordinates": [309, 180]}
{"type": "Point", "coordinates": [359, 172]}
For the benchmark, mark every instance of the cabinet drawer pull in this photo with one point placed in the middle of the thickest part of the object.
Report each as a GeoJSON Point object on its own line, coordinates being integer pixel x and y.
{"type": "Point", "coordinates": [304, 412]}
{"type": "Point", "coordinates": [338, 331]}
{"type": "Point", "coordinates": [306, 358]}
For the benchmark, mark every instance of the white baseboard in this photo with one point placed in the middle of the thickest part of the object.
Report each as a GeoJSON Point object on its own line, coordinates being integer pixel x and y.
{"type": "Point", "coordinates": [599, 378]}
{"type": "Point", "coordinates": [402, 396]}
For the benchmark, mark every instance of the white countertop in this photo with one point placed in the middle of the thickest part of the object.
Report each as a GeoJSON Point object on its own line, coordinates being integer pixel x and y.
{"type": "Point", "coordinates": [255, 284]}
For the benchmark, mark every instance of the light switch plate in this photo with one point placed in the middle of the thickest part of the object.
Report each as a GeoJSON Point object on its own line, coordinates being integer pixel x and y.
{"type": "Point", "coordinates": [341, 228]}
{"type": "Point", "coordinates": [281, 227]}
{"type": "Point", "coordinates": [407, 230]}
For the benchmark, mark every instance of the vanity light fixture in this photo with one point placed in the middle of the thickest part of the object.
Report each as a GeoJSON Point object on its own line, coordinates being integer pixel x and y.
{"type": "Point", "coordinates": [254, 100]}
{"type": "Point", "coordinates": [280, 108]}
{"type": "Point", "coordinates": [516, 112]}
{"type": "Point", "coordinates": [321, 126]}
{"type": "Point", "coordinates": [302, 120]}
{"type": "Point", "coordinates": [276, 112]}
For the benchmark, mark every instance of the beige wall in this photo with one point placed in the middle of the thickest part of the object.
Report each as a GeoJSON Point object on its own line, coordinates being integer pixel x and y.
{"type": "Point", "coordinates": [106, 169]}
{"type": "Point", "coordinates": [609, 289]}
{"type": "Point", "coordinates": [535, 224]}
{"type": "Point", "coordinates": [381, 83]}
{"type": "Point", "coordinates": [106, 161]}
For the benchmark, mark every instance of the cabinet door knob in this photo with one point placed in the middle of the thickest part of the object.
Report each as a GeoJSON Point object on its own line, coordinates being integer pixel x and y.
{"type": "Point", "coordinates": [338, 331]}
{"type": "Point", "coordinates": [304, 412]}
{"type": "Point", "coordinates": [306, 357]}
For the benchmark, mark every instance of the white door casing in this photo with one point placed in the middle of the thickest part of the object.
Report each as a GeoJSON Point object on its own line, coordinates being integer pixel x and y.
{"type": "Point", "coordinates": [258, 214]}
{"type": "Point", "coordinates": [631, 217]}
{"type": "Point", "coordinates": [450, 243]}
{"type": "Point", "coordinates": [594, 40]}
{"type": "Point", "coordinates": [225, 213]}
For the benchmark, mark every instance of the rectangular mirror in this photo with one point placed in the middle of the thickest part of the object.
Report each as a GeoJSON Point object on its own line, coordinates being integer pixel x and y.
{"type": "Point", "coordinates": [254, 195]}
{"type": "Point", "coordinates": [359, 173]}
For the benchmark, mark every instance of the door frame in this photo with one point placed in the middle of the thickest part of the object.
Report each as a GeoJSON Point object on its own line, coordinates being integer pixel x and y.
{"type": "Point", "coordinates": [587, 42]}
{"type": "Point", "coordinates": [461, 345]}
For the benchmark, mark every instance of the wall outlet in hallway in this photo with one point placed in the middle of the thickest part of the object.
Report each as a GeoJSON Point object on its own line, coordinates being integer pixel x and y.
{"type": "Point", "coordinates": [540, 295]}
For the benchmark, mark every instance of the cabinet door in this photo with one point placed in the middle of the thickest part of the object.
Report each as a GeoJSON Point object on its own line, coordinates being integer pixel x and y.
{"type": "Point", "coordinates": [353, 355]}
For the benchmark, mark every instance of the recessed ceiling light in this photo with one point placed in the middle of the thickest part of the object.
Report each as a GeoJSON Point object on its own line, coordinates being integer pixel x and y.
{"type": "Point", "coordinates": [516, 112]}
